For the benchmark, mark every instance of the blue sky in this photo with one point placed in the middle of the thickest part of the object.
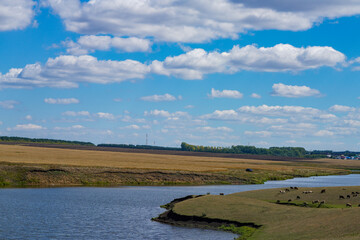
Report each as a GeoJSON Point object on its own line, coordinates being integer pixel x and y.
{"type": "Point", "coordinates": [219, 73]}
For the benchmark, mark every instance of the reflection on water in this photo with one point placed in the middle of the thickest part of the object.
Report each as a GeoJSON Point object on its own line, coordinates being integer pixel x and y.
{"type": "Point", "coordinates": [116, 213]}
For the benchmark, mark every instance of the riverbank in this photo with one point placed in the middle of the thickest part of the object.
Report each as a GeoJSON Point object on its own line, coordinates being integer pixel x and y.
{"type": "Point", "coordinates": [303, 213]}
{"type": "Point", "coordinates": [26, 166]}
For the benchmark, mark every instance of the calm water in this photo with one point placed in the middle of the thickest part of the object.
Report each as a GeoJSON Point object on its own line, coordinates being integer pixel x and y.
{"type": "Point", "coordinates": [116, 213]}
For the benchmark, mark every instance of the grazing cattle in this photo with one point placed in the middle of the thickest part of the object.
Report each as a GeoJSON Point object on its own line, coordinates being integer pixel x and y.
{"type": "Point", "coordinates": [291, 187]}
{"type": "Point", "coordinates": [287, 190]}
{"type": "Point", "coordinates": [348, 196]}
{"type": "Point", "coordinates": [341, 197]}
{"type": "Point", "coordinates": [357, 193]}
{"type": "Point", "coordinates": [315, 201]}
{"type": "Point", "coordinates": [322, 202]}
{"type": "Point", "coordinates": [305, 204]}
{"type": "Point", "coordinates": [348, 205]}
{"type": "Point", "coordinates": [289, 200]}
{"type": "Point", "coordinates": [297, 197]}
{"type": "Point", "coordinates": [359, 205]}
{"type": "Point", "coordinates": [282, 191]}
{"type": "Point", "coordinates": [277, 201]}
{"type": "Point", "coordinates": [221, 194]}
{"type": "Point", "coordinates": [296, 188]}
{"type": "Point", "coordinates": [353, 193]}
{"type": "Point", "coordinates": [323, 191]}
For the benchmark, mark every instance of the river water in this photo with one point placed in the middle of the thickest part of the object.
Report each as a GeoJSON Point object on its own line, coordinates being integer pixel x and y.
{"type": "Point", "coordinates": [118, 212]}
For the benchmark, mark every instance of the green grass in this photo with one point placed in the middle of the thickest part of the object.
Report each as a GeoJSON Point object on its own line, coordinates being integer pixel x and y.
{"type": "Point", "coordinates": [245, 232]}
{"type": "Point", "coordinates": [285, 221]}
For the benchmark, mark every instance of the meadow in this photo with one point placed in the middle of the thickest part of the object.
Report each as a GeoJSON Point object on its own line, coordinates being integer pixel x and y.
{"type": "Point", "coordinates": [332, 219]}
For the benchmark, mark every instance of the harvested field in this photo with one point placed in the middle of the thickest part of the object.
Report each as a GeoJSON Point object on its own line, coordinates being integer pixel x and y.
{"type": "Point", "coordinates": [88, 163]}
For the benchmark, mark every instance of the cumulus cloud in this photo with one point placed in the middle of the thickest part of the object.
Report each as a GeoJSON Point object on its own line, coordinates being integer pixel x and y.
{"type": "Point", "coordinates": [68, 71]}
{"type": "Point", "coordinates": [29, 126]}
{"type": "Point", "coordinates": [225, 94]}
{"type": "Point", "coordinates": [280, 58]}
{"type": "Point", "coordinates": [214, 129]}
{"type": "Point", "coordinates": [74, 127]}
{"type": "Point", "coordinates": [341, 108]}
{"type": "Point", "coordinates": [16, 14]}
{"type": "Point", "coordinates": [91, 43]}
{"type": "Point", "coordinates": [133, 126]}
{"type": "Point", "coordinates": [166, 114]}
{"type": "Point", "coordinates": [108, 116]}
{"type": "Point", "coordinates": [323, 133]}
{"type": "Point", "coordinates": [61, 100]}
{"type": "Point", "coordinates": [159, 98]}
{"type": "Point", "coordinates": [75, 114]}
{"type": "Point", "coordinates": [279, 110]}
{"type": "Point", "coordinates": [8, 104]}
{"type": "Point", "coordinates": [293, 91]}
{"type": "Point", "coordinates": [28, 117]}
{"type": "Point", "coordinates": [195, 21]}
{"type": "Point", "coordinates": [255, 95]}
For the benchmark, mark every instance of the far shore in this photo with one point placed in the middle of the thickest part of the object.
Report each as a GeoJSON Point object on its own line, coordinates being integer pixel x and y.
{"type": "Point", "coordinates": [42, 166]}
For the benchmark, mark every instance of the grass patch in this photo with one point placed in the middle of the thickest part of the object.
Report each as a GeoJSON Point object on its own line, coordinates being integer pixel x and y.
{"type": "Point", "coordinates": [245, 232]}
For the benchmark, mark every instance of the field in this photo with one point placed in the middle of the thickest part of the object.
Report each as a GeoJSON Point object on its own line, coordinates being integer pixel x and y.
{"type": "Point", "coordinates": [34, 165]}
{"type": "Point", "coordinates": [329, 220]}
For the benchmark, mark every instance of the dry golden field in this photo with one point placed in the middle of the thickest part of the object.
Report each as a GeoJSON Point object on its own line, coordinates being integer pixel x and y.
{"type": "Point", "coordinates": [106, 167]}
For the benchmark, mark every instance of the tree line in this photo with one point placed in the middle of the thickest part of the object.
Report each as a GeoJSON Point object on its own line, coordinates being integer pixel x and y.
{"type": "Point", "coordinates": [43, 140]}
{"type": "Point", "coordinates": [241, 149]}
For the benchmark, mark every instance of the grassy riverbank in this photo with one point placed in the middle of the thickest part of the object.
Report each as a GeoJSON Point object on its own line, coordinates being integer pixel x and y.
{"type": "Point", "coordinates": [271, 216]}
{"type": "Point", "coordinates": [45, 166]}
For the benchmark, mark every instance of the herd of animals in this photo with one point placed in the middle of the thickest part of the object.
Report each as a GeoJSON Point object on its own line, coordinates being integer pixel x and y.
{"type": "Point", "coordinates": [323, 191]}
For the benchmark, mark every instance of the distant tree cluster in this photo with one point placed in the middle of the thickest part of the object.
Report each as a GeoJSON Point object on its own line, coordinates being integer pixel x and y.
{"type": "Point", "coordinates": [241, 149]}
{"type": "Point", "coordinates": [139, 146]}
{"type": "Point", "coordinates": [43, 140]}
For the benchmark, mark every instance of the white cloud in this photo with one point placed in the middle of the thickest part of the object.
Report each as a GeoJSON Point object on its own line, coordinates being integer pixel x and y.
{"type": "Point", "coordinates": [107, 116]}
{"type": "Point", "coordinates": [258, 133]}
{"type": "Point", "coordinates": [69, 71]}
{"type": "Point", "coordinates": [341, 108]}
{"type": "Point", "coordinates": [16, 14]}
{"type": "Point", "coordinates": [225, 94]}
{"type": "Point", "coordinates": [29, 126]}
{"type": "Point", "coordinates": [9, 104]}
{"type": "Point", "coordinates": [214, 129]}
{"type": "Point", "coordinates": [74, 127]}
{"type": "Point", "coordinates": [279, 110]}
{"type": "Point", "coordinates": [91, 43]}
{"type": "Point", "coordinates": [255, 95]}
{"type": "Point", "coordinates": [189, 106]}
{"type": "Point", "coordinates": [61, 100]}
{"type": "Point", "coordinates": [293, 91]}
{"type": "Point", "coordinates": [157, 113]}
{"type": "Point", "coordinates": [75, 114]}
{"type": "Point", "coordinates": [159, 98]}
{"type": "Point", "coordinates": [280, 58]}
{"type": "Point", "coordinates": [195, 21]}
{"type": "Point", "coordinates": [323, 133]}
{"type": "Point", "coordinates": [133, 126]}
{"type": "Point", "coordinates": [28, 117]}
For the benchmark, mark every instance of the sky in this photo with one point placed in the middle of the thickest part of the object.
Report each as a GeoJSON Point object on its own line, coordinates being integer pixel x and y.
{"type": "Point", "coordinates": [216, 73]}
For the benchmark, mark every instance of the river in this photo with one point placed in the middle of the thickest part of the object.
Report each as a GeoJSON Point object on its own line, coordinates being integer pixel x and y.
{"type": "Point", "coordinates": [117, 212]}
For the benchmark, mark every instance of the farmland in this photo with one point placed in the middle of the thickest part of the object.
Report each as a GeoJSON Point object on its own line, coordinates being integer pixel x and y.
{"type": "Point", "coordinates": [44, 165]}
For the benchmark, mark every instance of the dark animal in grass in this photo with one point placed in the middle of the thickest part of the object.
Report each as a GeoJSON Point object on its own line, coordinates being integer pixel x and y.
{"type": "Point", "coordinates": [355, 195]}
{"type": "Point", "coordinates": [305, 204]}
{"type": "Point", "coordinates": [221, 194]}
{"type": "Point", "coordinates": [315, 201]}
{"type": "Point", "coordinates": [287, 190]}
{"type": "Point", "coordinates": [348, 196]}
{"type": "Point", "coordinates": [249, 170]}
{"type": "Point", "coordinates": [291, 187]}
{"type": "Point", "coordinates": [348, 205]}
{"type": "Point", "coordinates": [322, 202]}
{"type": "Point", "coordinates": [296, 188]}
{"type": "Point", "coordinates": [341, 197]}
{"type": "Point", "coordinates": [357, 192]}
{"type": "Point", "coordinates": [277, 201]}
{"type": "Point", "coordinates": [297, 197]}
{"type": "Point", "coordinates": [359, 205]}
{"type": "Point", "coordinates": [282, 191]}
{"type": "Point", "coordinates": [323, 191]}
{"type": "Point", "coordinates": [289, 200]}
